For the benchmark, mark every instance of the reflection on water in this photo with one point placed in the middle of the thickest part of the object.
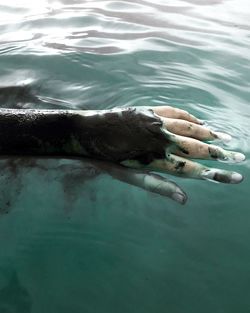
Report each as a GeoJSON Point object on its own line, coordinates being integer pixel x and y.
{"type": "Point", "coordinates": [85, 245]}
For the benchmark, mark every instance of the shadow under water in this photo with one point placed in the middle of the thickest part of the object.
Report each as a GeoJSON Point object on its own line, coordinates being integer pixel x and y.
{"type": "Point", "coordinates": [14, 297]}
{"type": "Point", "coordinates": [70, 173]}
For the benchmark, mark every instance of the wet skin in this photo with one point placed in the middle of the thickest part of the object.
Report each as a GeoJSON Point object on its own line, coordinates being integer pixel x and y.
{"type": "Point", "coordinates": [159, 139]}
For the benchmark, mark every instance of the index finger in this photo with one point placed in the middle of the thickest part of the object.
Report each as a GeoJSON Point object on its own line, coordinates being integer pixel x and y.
{"type": "Point", "coordinates": [168, 111]}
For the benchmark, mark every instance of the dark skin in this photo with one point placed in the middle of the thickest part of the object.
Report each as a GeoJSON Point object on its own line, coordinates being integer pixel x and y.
{"type": "Point", "coordinates": [159, 139]}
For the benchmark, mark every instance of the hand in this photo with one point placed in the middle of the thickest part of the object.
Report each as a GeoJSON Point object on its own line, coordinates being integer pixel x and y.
{"type": "Point", "coordinates": [184, 135]}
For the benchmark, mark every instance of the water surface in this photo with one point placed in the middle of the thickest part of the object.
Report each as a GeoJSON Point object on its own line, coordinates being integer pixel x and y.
{"type": "Point", "coordinates": [74, 244]}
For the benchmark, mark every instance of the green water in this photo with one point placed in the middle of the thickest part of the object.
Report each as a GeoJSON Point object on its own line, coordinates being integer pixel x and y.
{"type": "Point", "coordinates": [72, 244]}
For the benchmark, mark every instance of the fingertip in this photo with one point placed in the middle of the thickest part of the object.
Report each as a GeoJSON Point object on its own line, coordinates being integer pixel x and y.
{"type": "Point", "coordinates": [221, 176]}
{"type": "Point", "coordinates": [200, 122]}
{"type": "Point", "coordinates": [179, 197]}
{"type": "Point", "coordinates": [231, 156]}
{"type": "Point", "coordinates": [236, 178]}
{"type": "Point", "coordinates": [222, 136]}
{"type": "Point", "coordinates": [239, 157]}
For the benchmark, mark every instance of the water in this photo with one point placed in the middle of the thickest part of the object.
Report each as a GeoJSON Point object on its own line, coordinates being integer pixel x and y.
{"type": "Point", "coordinates": [74, 244]}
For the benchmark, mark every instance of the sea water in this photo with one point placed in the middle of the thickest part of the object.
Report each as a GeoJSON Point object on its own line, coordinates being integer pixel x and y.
{"type": "Point", "coordinates": [74, 240]}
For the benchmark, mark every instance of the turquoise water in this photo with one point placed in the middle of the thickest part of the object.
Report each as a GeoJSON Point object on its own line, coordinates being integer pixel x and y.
{"type": "Point", "coordinates": [71, 243]}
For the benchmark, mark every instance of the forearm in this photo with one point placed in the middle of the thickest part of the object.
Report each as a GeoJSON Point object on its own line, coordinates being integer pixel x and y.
{"type": "Point", "coordinates": [37, 132]}
{"type": "Point", "coordinates": [103, 134]}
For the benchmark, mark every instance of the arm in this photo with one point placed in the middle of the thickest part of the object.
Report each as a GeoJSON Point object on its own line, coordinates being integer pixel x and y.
{"type": "Point", "coordinates": [114, 135]}
{"type": "Point", "coordinates": [160, 139]}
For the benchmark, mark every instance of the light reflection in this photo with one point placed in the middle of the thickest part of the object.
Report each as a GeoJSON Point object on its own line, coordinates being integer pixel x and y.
{"type": "Point", "coordinates": [32, 5]}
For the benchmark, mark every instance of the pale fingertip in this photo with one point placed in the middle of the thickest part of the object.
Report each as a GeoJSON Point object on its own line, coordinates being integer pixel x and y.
{"type": "Point", "coordinates": [232, 157]}
{"type": "Point", "coordinates": [179, 197]}
{"type": "Point", "coordinates": [236, 178]}
{"type": "Point", "coordinates": [239, 157]}
{"type": "Point", "coordinates": [222, 136]}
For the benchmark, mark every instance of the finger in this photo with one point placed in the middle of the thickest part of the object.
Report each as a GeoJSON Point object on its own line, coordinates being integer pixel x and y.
{"type": "Point", "coordinates": [168, 111]}
{"type": "Point", "coordinates": [145, 180]}
{"type": "Point", "coordinates": [192, 148]}
{"type": "Point", "coordinates": [158, 184]}
{"type": "Point", "coordinates": [179, 166]}
{"type": "Point", "coordinates": [189, 129]}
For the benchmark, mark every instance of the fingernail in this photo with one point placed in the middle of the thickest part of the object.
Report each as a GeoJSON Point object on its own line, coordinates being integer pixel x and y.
{"type": "Point", "coordinates": [201, 122]}
{"type": "Point", "coordinates": [236, 178]}
{"type": "Point", "coordinates": [179, 197]}
{"type": "Point", "coordinates": [239, 157]}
